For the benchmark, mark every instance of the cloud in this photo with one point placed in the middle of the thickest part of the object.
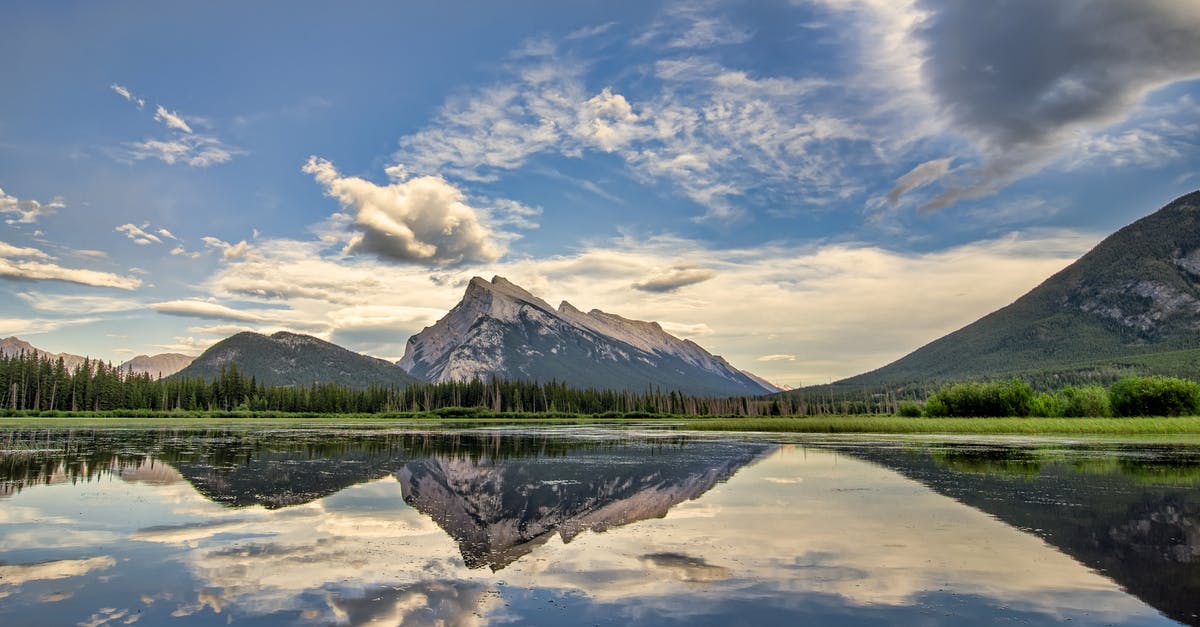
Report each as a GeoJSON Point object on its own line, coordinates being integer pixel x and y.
{"type": "Point", "coordinates": [922, 175]}
{"type": "Point", "coordinates": [673, 279]}
{"type": "Point", "coordinates": [27, 326]}
{"type": "Point", "coordinates": [27, 211]}
{"type": "Point", "coordinates": [125, 93]}
{"type": "Point", "coordinates": [777, 357]}
{"type": "Point", "coordinates": [180, 251]}
{"type": "Point", "coordinates": [75, 304]}
{"type": "Point", "coordinates": [693, 25]}
{"type": "Point", "coordinates": [420, 220]}
{"type": "Point", "coordinates": [171, 119]}
{"type": "Point", "coordinates": [228, 251]}
{"type": "Point", "coordinates": [718, 134]}
{"type": "Point", "coordinates": [207, 309]}
{"type": "Point", "coordinates": [1026, 76]}
{"type": "Point", "coordinates": [138, 234]}
{"type": "Point", "coordinates": [12, 266]}
{"type": "Point", "coordinates": [814, 306]}
{"type": "Point", "coordinates": [167, 234]}
{"type": "Point", "coordinates": [198, 151]}
{"type": "Point", "coordinates": [8, 250]}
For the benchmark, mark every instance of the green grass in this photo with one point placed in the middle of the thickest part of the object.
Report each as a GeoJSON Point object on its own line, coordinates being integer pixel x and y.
{"type": "Point", "coordinates": [1176, 426]}
{"type": "Point", "coordinates": [1189, 425]}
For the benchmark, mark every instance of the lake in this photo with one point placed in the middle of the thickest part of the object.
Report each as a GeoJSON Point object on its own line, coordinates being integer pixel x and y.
{"type": "Point", "coordinates": [591, 526]}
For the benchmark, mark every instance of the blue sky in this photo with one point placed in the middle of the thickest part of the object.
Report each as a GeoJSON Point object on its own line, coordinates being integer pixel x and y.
{"type": "Point", "coordinates": [809, 188]}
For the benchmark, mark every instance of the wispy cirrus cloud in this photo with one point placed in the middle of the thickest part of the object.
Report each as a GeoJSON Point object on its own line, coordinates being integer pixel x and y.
{"type": "Point", "coordinates": [724, 137]}
{"type": "Point", "coordinates": [127, 94]}
{"type": "Point", "coordinates": [184, 146]}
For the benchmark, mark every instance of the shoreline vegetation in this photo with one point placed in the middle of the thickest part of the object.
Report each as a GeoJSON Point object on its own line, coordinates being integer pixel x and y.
{"type": "Point", "coordinates": [470, 418]}
{"type": "Point", "coordinates": [34, 389]}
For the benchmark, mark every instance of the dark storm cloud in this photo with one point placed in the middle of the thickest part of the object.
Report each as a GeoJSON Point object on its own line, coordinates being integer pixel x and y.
{"type": "Point", "coordinates": [1019, 76]}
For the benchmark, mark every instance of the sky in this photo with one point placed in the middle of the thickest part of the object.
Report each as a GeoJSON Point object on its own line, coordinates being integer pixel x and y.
{"type": "Point", "coordinates": [810, 188]}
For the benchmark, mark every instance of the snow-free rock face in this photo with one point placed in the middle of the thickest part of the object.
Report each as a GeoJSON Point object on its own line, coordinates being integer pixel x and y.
{"type": "Point", "coordinates": [501, 330]}
{"type": "Point", "coordinates": [161, 365]}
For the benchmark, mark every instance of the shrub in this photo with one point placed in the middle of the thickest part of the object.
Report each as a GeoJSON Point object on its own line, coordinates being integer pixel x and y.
{"type": "Point", "coordinates": [1089, 401]}
{"type": "Point", "coordinates": [1006, 398]}
{"type": "Point", "coordinates": [1046, 406]}
{"type": "Point", "coordinates": [935, 408]}
{"type": "Point", "coordinates": [909, 409]}
{"type": "Point", "coordinates": [1154, 396]}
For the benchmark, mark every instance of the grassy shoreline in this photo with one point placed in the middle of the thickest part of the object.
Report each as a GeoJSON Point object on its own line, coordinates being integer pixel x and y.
{"type": "Point", "coordinates": [865, 424]}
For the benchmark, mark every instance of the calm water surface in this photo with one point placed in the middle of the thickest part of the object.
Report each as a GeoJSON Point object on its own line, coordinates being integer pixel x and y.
{"type": "Point", "coordinates": [590, 526]}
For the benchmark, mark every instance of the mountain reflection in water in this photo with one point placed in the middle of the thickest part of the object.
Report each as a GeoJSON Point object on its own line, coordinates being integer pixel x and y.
{"type": "Point", "coordinates": [346, 526]}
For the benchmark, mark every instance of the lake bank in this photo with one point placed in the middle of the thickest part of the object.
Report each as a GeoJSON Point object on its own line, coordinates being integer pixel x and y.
{"type": "Point", "coordinates": [866, 424]}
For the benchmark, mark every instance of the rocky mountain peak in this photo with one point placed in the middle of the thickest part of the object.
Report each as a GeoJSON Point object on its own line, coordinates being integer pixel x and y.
{"type": "Point", "coordinates": [500, 329]}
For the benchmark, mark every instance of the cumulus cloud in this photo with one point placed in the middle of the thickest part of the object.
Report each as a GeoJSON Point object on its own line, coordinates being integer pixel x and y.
{"type": "Point", "coordinates": [1023, 77]}
{"type": "Point", "coordinates": [420, 220]}
{"type": "Point", "coordinates": [171, 119]}
{"type": "Point", "coordinates": [18, 263]}
{"type": "Point", "coordinates": [673, 279]}
{"type": "Point", "coordinates": [228, 250]}
{"type": "Point", "coordinates": [27, 211]}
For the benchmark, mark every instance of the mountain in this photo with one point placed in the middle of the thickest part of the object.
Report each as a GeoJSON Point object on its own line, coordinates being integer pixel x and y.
{"type": "Point", "coordinates": [500, 510]}
{"type": "Point", "coordinates": [1132, 303]}
{"type": "Point", "coordinates": [161, 365]}
{"type": "Point", "coordinates": [500, 330]}
{"type": "Point", "coordinates": [292, 359]}
{"type": "Point", "coordinates": [13, 345]}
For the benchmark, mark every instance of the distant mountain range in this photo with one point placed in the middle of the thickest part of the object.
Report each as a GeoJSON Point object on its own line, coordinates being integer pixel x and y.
{"type": "Point", "coordinates": [161, 365]}
{"type": "Point", "coordinates": [1131, 303]}
{"type": "Point", "coordinates": [498, 330]}
{"type": "Point", "coordinates": [292, 359]}
{"type": "Point", "coordinates": [501, 330]}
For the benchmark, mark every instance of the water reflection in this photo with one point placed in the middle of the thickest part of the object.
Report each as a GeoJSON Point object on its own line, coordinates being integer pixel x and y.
{"type": "Point", "coordinates": [1132, 513]}
{"type": "Point", "coordinates": [346, 527]}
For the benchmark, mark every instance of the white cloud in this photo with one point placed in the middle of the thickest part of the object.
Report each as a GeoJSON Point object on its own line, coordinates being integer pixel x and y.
{"type": "Point", "coordinates": [28, 326]}
{"type": "Point", "coordinates": [716, 133]}
{"type": "Point", "coordinates": [421, 220]}
{"type": "Point", "coordinates": [8, 250]}
{"type": "Point", "coordinates": [198, 151]}
{"type": "Point", "coordinates": [167, 234]}
{"type": "Point", "coordinates": [76, 304]}
{"type": "Point", "coordinates": [127, 94]}
{"type": "Point", "coordinates": [777, 357]}
{"type": "Point", "coordinates": [228, 250]}
{"type": "Point", "coordinates": [171, 119]}
{"type": "Point", "coordinates": [27, 211]}
{"type": "Point", "coordinates": [138, 234]}
{"type": "Point", "coordinates": [13, 266]}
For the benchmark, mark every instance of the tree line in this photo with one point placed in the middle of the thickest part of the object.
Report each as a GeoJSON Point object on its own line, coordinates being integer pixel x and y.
{"type": "Point", "coordinates": [33, 382]}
